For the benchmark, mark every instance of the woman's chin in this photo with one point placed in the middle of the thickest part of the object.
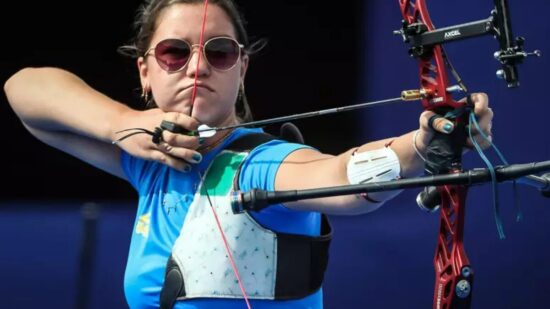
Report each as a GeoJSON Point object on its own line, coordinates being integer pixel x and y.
{"type": "Point", "coordinates": [205, 118]}
{"type": "Point", "coordinates": [178, 108]}
{"type": "Point", "coordinates": [212, 120]}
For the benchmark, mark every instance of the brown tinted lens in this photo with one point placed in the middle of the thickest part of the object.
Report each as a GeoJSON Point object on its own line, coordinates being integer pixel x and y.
{"type": "Point", "coordinates": [222, 53]}
{"type": "Point", "coordinates": [172, 54]}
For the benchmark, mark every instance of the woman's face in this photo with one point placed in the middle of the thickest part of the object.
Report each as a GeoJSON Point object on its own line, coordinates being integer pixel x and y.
{"type": "Point", "coordinates": [217, 90]}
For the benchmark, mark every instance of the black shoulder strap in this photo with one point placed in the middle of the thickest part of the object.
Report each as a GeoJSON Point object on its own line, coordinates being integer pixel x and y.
{"type": "Point", "coordinates": [250, 141]}
{"type": "Point", "coordinates": [288, 132]}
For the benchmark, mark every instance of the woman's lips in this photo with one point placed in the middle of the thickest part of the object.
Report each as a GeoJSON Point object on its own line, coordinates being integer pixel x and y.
{"type": "Point", "coordinates": [205, 86]}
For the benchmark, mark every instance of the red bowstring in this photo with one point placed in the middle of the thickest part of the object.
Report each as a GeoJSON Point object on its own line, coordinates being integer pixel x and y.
{"type": "Point", "coordinates": [226, 245]}
{"type": "Point", "coordinates": [231, 259]}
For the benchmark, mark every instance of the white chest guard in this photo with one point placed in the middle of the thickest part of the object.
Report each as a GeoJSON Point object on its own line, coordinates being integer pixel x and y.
{"type": "Point", "coordinates": [271, 265]}
{"type": "Point", "coordinates": [200, 253]}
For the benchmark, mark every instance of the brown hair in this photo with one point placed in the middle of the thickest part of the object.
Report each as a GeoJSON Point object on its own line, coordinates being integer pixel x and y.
{"type": "Point", "coordinates": [145, 26]}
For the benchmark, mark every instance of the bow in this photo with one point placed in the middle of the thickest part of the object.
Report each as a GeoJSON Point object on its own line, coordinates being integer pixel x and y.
{"type": "Point", "coordinates": [454, 274]}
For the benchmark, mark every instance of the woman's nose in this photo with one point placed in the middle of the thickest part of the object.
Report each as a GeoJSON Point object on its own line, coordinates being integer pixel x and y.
{"type": "Point", "coordinates": [197, 63]}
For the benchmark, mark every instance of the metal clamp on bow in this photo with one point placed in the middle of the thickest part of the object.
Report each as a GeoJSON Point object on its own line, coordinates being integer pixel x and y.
{"type": "Point", "coordinates": [423, 37]}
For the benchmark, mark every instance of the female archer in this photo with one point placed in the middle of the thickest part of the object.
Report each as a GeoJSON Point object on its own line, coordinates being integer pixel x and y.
{"type": "Point", "coordinates": [192, 71]}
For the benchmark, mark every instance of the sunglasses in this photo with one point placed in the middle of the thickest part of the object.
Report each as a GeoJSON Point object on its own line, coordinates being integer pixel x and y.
{"type": "Point", "coordinates": [172, 55]}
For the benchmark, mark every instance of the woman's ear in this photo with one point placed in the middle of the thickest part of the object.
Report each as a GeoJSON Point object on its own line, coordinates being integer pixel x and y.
{"type": "Point", "coordinates": [244, 65]}
{"type": "Point", "coordinates": [143, 72]}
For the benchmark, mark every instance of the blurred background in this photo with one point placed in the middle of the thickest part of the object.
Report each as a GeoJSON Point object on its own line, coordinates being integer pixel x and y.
{"type": "Point", "coordinates": [65, 226]}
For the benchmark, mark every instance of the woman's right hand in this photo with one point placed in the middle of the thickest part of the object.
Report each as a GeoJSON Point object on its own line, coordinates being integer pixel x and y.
{"type": "Point", "coordinates": [174, 150]}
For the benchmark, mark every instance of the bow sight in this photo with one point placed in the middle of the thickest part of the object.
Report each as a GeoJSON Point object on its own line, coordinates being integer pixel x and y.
{"type": "Point", "coordinates": [498, 24]}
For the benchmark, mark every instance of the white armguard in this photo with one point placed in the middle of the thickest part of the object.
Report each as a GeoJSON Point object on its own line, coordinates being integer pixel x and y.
{"type": "Point", "coordinates": [374, 166]}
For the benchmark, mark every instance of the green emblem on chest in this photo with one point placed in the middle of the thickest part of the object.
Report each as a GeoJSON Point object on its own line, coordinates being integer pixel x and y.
{"type": "Point", "coordinates": [219, 176]}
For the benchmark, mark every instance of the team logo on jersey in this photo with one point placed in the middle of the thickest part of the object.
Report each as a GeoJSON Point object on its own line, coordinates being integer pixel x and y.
{"type": "Point", "coordinates": [142, 227]}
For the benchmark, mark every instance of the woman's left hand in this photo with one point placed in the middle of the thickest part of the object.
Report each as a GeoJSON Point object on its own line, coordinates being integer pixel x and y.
{"type": "Point", "coordinates": [483, 113]}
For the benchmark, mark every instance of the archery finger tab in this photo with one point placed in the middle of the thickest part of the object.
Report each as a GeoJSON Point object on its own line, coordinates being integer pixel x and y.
{"type": "Point", "coordinates": [172, 127]}
{"type": "Point", "coordinates": [176, 128]}
{"type": "Point", "coordinates": [157, 136]}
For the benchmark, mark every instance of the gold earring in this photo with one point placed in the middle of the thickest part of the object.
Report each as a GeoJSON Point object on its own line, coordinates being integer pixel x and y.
{"type": "Point", "coordinates": [145, 94]}
{"type": "Point", "coordinates": [241, 92]}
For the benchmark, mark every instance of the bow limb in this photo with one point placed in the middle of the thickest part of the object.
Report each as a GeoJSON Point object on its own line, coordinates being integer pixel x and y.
{"type": "Point", "coordinates": [434, 79]}
{"type": "Point", "coordinates": [453, 274]}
